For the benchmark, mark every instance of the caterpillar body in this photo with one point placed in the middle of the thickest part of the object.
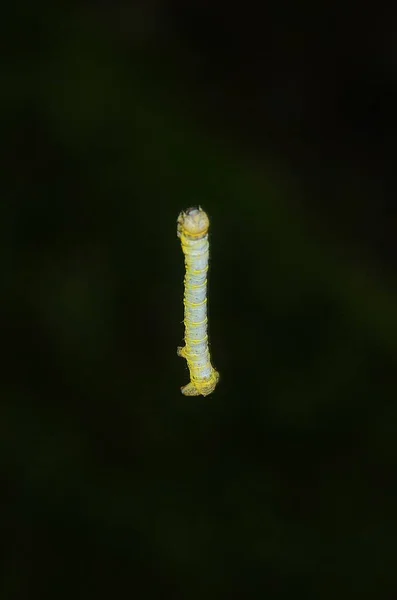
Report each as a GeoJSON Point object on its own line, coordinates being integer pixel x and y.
{"type": "Point", "coordinates": [192, 230]}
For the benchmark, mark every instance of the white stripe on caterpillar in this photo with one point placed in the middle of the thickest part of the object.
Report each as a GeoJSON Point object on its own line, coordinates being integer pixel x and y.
{"type": "Point", "coordinates": [192, 230]}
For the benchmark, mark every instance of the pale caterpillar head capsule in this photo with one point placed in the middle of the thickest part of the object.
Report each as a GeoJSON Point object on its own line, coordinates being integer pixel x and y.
{"type": "Point", "coordinates": [193, 222]}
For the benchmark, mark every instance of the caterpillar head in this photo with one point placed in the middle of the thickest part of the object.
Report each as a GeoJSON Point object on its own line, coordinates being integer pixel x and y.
{"type": "Point", "coordinates": [193, 222]}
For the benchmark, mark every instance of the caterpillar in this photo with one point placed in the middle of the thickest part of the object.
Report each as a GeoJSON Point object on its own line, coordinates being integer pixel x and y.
{"type": "Point", "coordinates": [192, 229]}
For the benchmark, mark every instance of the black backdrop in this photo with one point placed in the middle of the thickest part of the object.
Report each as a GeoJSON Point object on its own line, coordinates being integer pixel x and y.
{"type": "Point", "coordinates": [280, 122]}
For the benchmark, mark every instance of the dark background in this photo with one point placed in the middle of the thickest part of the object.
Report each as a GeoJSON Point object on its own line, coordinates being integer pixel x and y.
{"type": "Point", "coordinates": [280, 121]}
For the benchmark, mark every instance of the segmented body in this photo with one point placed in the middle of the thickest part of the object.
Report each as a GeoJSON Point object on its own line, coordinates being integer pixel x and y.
{"type": "Point", "coordinates": [193, 233]}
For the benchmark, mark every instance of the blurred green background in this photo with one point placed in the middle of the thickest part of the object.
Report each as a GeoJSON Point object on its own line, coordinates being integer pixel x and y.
{"type": "Point", "coordinates": [116, 117]}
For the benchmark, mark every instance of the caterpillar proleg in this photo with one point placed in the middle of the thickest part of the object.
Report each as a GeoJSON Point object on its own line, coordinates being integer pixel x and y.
{"type": "Point", "coordinates": [192, 230]}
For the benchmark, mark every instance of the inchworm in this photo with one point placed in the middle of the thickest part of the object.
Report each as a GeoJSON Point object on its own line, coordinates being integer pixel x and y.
{"type": "Point", "coordinates": [192, 230]}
